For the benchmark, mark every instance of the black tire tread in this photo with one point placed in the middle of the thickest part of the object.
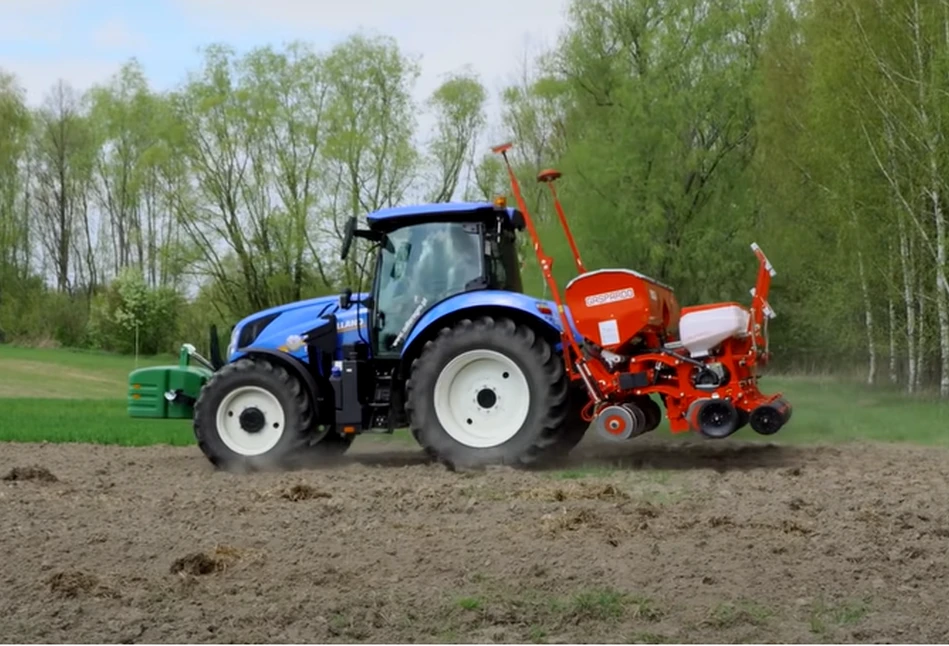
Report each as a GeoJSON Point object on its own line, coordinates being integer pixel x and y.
{"type": "Point", "coordinates": [574, 426]}
{"type": "Point", "coordinates": [554, 399]}
{"type": "Point", "coordinates": [290, 455]}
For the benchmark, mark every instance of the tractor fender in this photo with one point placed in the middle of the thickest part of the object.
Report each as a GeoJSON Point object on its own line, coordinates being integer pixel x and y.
{"type": "Point", "coordinates": [520, 307]}
{"type": "Point", "coordinates": [293, 365]}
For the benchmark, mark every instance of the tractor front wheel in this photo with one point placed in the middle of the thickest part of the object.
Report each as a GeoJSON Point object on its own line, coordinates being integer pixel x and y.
{"type": "Point", "coordinates": [252, 414]}
{"type": "Point", "coordinates": [487, 392]}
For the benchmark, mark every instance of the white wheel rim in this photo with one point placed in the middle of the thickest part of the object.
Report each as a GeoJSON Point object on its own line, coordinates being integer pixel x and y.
{"type": "Point", "coordinates": [463, 398]}
{"type": "Point", "coordinates": [233, 433]}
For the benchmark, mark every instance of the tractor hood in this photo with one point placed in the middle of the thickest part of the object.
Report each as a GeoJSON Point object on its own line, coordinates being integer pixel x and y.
{"type": "Point", "coordinates": [270, 328]}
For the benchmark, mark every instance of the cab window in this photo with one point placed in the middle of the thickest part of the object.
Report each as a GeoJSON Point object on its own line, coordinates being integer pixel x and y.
{"type": "Point", "coordinates": [419, 266]}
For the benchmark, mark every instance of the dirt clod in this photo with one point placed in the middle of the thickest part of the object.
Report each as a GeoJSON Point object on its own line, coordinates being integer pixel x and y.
{"type": "Point", "coordinates": [648, 510]}
{"type": "Point", "coordinates": [797, 504]}
{"type": "Point", "coordinates": [201, 563]}
{"type": "Point", "coordinates": [303, 492]}
{"type": "Point", "coordinates": [571, 521]}
{"type": "Point", "coordinates": [37, 473]}
{"type": "Point", "coordinates": [574, 491]}
{"type": "Point", "coordinates": [75, 583]}
{"type": "Point", "coordinates": [196, 564]}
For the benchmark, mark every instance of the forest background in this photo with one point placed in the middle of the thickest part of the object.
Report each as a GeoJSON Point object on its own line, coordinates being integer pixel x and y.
{"type": "Point", "coordinates": [685, 129]}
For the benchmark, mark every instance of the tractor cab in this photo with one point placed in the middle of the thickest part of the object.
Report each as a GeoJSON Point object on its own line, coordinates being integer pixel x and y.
{"type": "Point", "coordinates": [425, 254]}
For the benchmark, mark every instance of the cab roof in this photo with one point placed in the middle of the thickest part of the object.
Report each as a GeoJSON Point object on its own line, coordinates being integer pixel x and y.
{"type": "Point", "coordinates": [400, 216]}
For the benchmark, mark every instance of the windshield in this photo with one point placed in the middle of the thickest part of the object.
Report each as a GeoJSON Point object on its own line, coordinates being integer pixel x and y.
{"type": "Point", "coordinates": [419, 266]}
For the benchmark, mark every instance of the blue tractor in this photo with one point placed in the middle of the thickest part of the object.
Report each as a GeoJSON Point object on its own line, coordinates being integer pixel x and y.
{"type": "Point", "coordinates": [445, 343]}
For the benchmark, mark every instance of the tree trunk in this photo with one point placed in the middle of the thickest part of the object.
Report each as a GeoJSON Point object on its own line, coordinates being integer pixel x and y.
{"type": "Point", "coordinates": [906, 257]}
{"type": "Point", "coordinates": [931, 132]}
{"type": "Point", "coordinates": [921, 347]}
{"type": "Point", "coordinates": [891, 312]}
{"type": "Point", "coordinates": [868, 317]}
{"type": "Point", "coordinates": [867, 309]}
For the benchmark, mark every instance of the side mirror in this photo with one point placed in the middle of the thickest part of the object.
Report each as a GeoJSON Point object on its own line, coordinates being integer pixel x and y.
{"type": "Point", "coordinates": [346, 299]}
{"type": "Point", "coordinates": [349, 231]}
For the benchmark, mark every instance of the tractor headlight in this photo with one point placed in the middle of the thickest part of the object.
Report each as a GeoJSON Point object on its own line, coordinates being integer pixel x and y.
{"type": "Point", "coordinates": [244, 335]}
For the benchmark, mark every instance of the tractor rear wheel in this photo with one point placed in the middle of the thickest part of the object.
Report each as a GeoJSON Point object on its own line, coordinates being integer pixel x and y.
{"type": "Point", "coordinates": [487, 392]}
{"type": "Point", "coordinates": [251, 415]}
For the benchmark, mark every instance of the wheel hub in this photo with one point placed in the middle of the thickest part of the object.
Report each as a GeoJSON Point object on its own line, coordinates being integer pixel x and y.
{"type": "Point", "coordinates": [487, 398]}
{"type": "Point", "coordinates": [769, 418]}
{"type": "Point", "coordinates": [620, 422]}
{"type": "Point", "coordinates": [716, 418]}
{"type": "Point", "coordinates": [252, 420]}
{"type": "Point", "coordinates": [482, 398]}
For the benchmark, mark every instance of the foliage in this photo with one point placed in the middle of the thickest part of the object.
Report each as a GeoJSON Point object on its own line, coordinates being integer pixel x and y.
{"type": "Point", "coordinates": [131, 318]}
{"type": "Point", "coordinates": [685, 130]}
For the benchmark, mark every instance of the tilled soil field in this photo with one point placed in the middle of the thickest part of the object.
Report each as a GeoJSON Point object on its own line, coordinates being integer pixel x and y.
{"type": "Point", "coordinates": [645, 542]}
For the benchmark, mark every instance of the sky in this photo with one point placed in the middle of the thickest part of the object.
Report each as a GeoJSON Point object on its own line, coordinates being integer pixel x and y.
{"type": "Point", "coordinates": [85, 41]}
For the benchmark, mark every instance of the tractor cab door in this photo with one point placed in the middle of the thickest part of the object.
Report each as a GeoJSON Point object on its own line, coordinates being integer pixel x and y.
{"type": "Point", "coordinates": [419, 266]}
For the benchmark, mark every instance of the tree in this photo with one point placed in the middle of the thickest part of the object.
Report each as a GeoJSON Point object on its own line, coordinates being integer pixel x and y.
{"type": "Point", "coordinates": [458, 104]}
{"type": "Point", "coordinates": [15, 126]}
{"type": "Point", "coordinates": [370, 162]}
{"type": "Point", "coordinates": [64, 150]}
{"type": "Point", "coordinates": [659, 128]}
